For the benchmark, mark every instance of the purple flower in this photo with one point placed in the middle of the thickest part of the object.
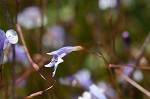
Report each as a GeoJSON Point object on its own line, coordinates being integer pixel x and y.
{"type": "Point", "coordinates": [94, 93]}
{"type": "Point", "coordinates": [10, 37]}
{"type": "Point", "coordinates": [97, 92]}
{"type": "Point", "coordinates": [126, 38]}
{"type": "Point", "coordinates": [59, 54]}
{"type": "Point", "coordinates": [109, 91]}
{"type": "Point", "coordinates": [21, 55]}
{"type": "Point", "coordinates": [82, 77]}
{"type": "Point", "coordinates": [55, 37]}
{"type": "Point", "coordinates": [127, 71]}
{"type": "Point", "coordinates": [2, 40]}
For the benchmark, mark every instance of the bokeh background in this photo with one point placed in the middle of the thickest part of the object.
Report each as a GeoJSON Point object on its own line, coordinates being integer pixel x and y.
{"type": "Point", "coordinates": [116, 28]}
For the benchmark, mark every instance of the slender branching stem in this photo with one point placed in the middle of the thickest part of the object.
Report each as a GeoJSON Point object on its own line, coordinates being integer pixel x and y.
{"type": "Point", "coordinates": [124, 66]}
{"type": "Point", "coordinates": [34, 65]}
{"type": "Point", "coordinates": [146, 92]}
{"type": "Point", "coordinates": [109, 69]}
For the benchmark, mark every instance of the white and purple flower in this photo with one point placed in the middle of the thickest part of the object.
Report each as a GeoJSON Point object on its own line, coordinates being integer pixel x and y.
{"type": "Point", "coordinates": [10, 37]}
{"type": "Point", "coordinates": [59, 54]}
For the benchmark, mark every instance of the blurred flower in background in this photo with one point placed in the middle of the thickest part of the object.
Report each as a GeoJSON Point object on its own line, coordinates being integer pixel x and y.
{"type": "Point", "coordinates": [97, 92]}
{"type": "Point", "coordinates": [31, 18]}
{"type": "Point", "coordinates": [106, 4]}
{"type": "Point", "coordinates": [94, 93]}
{"type": "Point", "coordinates": [82, 78]}
{"type": "Point", "coordinates": [109, 90]}
{"type": "Point", "coordinates": [55, 37]}
{"type": "Point", "coordinates": [21, 55]}
{"type": "Point", "coordinates": [85, 95]}
{"type": "Point", "coordinates": [126, 38]}
{"type": "Point", "coordinates": [127, 71]}
{"type": "Point", "coordinates": [137, 74]}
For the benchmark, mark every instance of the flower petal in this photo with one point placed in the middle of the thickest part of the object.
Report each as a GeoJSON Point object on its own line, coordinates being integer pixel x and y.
{"type": "Point", "coordinates": [12, 36]}
{"type": "Point", "coordinates": [49, 65]}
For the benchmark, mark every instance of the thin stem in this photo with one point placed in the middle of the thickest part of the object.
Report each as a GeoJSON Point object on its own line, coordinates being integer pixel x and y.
{"type": "Point", "coordinates": [109, 69]}
{"type": "Point", "coordinates": [40, 92]}
{"type": "Point", "coordinates": [140, 55]}
{"type": "Point", "coordinates": [17, 10]}
{"type": "Point", "coordinates": [29, 71]}
{"type": "Point", "coordinates": [143, 48]}
{"type": "Point", "coordinates": [13, 47]}
{"type": "Point", "coordinates": [1, 75]}
{"type": "Point", "coordinates": [124, 66]}
{"type": "Point", "coordinates": [34, 65]}
{"type": "Point", "coordinates": [13, 72]}
{"type": "Point", "coordinates": [42, 30]}
{"type": "Point", "coordinates": [6, 14]}
{"type": "Point", "coordinates": [146, 92]}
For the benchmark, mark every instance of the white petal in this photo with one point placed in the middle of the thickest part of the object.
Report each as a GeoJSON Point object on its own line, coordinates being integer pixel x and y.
{"type": "Point", "coordinates": [12, 36]}
{"type": "Point", "coordinates": [49, 65]}
{"type": "Point", "coordinates": [60, 60]}
{"type": "Point", "coordinates": [87, 95]}
{"type": "Point", "coordinates": [49, 53]}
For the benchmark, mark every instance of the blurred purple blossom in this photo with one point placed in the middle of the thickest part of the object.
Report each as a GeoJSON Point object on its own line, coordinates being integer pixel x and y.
{"type": "Point", "coordinates": [30, 18]}
{"type": "Point", "coordinates": [82, 77]}
{"type": "Point", "coordinates": [59, 54]}
{"type": "Point", "coordinates": [23, 83]}
{"type": "Point", "coordinates": [55, 37]}
{"type": "Point", "coordinates": [109, 91]}
{"type": "Point", "coordinates": [21, 55]}
{"type": "Point", "coordinates": [97, 93]}
{"type": "Point", "coordinates": [127, 71]}
{"type": "Point", "coordinates": [94, 93]}
{"type": "Point", "coordinates": [126, 38]}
